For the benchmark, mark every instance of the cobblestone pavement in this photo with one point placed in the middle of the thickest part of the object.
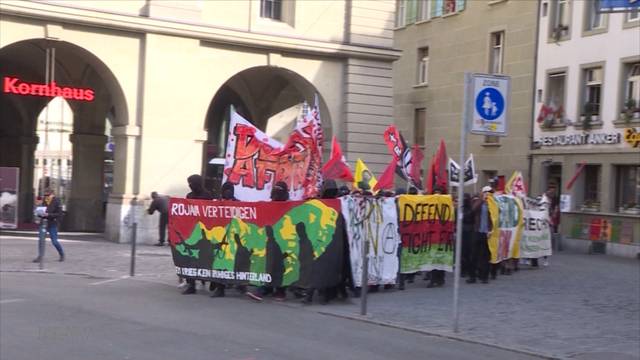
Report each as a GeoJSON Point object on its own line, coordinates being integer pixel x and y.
{"type": "Point", "coordinates": [579, 307]}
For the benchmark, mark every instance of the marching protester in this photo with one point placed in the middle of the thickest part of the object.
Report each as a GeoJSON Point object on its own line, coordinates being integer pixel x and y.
{"type": "Point", "coordinates": [50, 217]}
{"type": "Point", "coordinates": [466, 255]}
{"type": "Point", "coordinates": [329, 191]}
{"type": "Point", "coordinates": [482, 226]}
{"type": "Point", "coordinates": [161, 205]}
{"type": "Point", "coordinates": [196, 184]}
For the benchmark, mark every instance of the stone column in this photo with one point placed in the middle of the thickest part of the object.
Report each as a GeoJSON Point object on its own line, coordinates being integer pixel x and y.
{"type": "Point", "coordinates": [121, 207]}
{"type": "Point", "coordinates": [85, 208]}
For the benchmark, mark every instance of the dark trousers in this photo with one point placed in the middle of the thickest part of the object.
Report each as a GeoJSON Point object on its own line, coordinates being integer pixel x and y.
{"type": "Point", "coordinates": [480, 257]}
{"type": "Point", "coordinates": [162, 227]}
{"type": "Point", "coordinates": [466, 256]}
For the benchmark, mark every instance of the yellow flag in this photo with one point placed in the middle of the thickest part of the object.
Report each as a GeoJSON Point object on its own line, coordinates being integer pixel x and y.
{"type": "Point", "coordinates": [362, 173]}
{"type": "Point", "coordinates": [515, 185]}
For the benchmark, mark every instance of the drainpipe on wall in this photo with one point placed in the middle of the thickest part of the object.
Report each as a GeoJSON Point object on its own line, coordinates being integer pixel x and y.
{"type": "Point", "coordinates": [533, 95]}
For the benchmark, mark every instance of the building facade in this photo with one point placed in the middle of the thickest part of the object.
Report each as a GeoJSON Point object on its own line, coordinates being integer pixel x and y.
{"type": "Point", "coordinates": [587, 118]}
{"type": "Point", "coordinates": [152, 82]}
{"type": "Point", "coordinates": [440, 41]}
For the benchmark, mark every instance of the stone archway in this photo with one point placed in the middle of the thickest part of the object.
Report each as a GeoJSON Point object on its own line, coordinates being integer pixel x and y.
{"type": "Point", "coordinates": [270, 98]}
{"type": "Point", "coordinates": [28, 71]}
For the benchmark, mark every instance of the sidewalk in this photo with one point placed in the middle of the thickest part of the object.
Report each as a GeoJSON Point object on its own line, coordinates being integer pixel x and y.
{"type": "Point", "coordinates": [580, 307]}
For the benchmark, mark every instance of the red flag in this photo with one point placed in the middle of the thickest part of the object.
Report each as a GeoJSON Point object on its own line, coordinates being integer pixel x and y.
{"type": "Point", "coordinates": [385, 181]}
{"type": "Point", "coordinates": [416, 164]}
{"type": "Point", "coordinates": [336, 167]}
{"type": "Point", "coordinates": [441, 164]}
{"type": "Point", "coordinates": [430, 177]}
{"type": "Point", "coordinates": [575, 176]}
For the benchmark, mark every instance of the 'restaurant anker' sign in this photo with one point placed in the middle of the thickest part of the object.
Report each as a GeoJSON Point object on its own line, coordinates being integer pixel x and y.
{"type": "Point", "coordinates": [13, 85]}
{"type": "Point", "coordinates": [580, 139]}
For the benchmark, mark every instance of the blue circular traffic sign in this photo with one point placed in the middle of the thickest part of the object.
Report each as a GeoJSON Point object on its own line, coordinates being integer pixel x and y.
{"type": "Point", "coordinates": [489, 104]}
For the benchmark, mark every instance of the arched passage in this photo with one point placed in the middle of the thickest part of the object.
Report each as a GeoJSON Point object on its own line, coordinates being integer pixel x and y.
{"type": "Point", "coordinates": [32, 73]}
{"type": "Point", "coordinates": [268, 96]}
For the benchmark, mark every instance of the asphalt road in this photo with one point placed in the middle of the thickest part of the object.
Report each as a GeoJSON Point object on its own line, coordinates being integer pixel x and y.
{"type": "Point", "coordinates": [54, 316]}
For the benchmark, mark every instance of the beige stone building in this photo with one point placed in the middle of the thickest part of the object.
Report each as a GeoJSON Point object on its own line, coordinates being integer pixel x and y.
{"type": "Point", "coordinates": [155, 80]}
{"type": "Point", "coordinates": [440, 41]}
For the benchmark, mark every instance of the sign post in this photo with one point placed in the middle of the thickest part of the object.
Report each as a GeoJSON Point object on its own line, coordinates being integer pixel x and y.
{"type": "Point", "coordinates": [485, 108]}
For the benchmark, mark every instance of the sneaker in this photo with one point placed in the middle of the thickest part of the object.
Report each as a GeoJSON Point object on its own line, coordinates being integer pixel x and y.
{"type": "Point", "coordinates": [36, 260]}
{"type": "Point", "coordinates": [545, 262]}
{"type": "Point", "coordinates": [253, 296]}
{"type": "Point", "coordinates": [61, 258]}
{"type": "Point", "coordinates": [471, 281]}
{"type": "Point", "coordinates": [158, 244]}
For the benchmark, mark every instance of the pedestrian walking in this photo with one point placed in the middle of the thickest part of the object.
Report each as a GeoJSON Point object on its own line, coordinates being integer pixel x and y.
{"type": "Point", "coordinates": [50, 215]}
{"type": "Point", "coordinates": [160, 204]}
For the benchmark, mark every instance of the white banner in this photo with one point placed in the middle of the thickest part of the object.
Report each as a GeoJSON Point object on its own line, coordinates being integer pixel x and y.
{"type": "Point", "coordinates": [374, 220]}
{"type": "Point", "coordinates": [536, 236]}
{"type": "Point", "coordinates": [470, 176]}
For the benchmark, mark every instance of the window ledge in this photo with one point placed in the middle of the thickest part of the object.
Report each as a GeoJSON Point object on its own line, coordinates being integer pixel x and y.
{"type": "Point", "coordinates": [630, 24]}
{"type": "Point", "coordinates": [423, 85]}
{"type": "Point", "coordinates": [595, 125]}
{"type": "Point", "coordinates": [551, 40]}
{"type": "Point", "coordinates": [592, 32]}
{"type": "Point", "coordinates": [423, 21]}
{"type": "Point", "coordinates": [495, 2]}
{"type": "Point", "coordinates": [490, 145]}
{"type": "Point", "coordinates": [623, 123]}
{"type": "Point", "coordinates": [401, 27]}
{"type": "Point", "coordinates": [554, 127]}
{"type": "Point", "coordinates": [450, 14]}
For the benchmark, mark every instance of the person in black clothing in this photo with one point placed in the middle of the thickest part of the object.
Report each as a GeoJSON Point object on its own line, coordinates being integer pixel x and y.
{"type": "Point", "coordinates": [467, 267]}
{"type": "Point", "coordinates": [482, 226]}
{"type": "Point", "coordinates": [329, 191]}
{"type": "Point", "coordinates": [196, 184]}
{"type": "Point", "coordinates": [160, 204]}
{"type": "Point", "coordinates": [280, 192]}
{"type": "Point", "coordinates": [49, 224]}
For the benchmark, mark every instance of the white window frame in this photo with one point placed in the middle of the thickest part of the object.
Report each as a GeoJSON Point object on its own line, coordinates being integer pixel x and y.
{"type": "Point", "coordinates": [590, 83]}
{"type": "Point", "coordinates": [424, 10]}
{"type": "Point", "coordinates": [423, 66]}
{"type": "Point", "coordinates": [591, 14]}
{"type": "Point", "coordinates": [632, 83]}
{"type": "Point", "coordinates": [401, 13]}
{"type": "Point", "coordinates": [272, 5]}
{"type": "Point", "coordinates": [499, 47]}
{"type": "Point", "coordinates": [553, 101]}
{"type": "Point", "coordinates": [560, 16]}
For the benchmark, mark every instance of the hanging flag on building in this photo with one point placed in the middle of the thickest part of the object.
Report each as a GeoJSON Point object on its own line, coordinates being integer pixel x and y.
{"type": "Point", "coordinates": [364, 175]}
{"type": "Point", "coordinates": [336, 167]}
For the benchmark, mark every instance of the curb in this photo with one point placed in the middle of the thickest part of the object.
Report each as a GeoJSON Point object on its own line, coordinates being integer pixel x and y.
{"type": "Point", "coordinates": [441, 335]}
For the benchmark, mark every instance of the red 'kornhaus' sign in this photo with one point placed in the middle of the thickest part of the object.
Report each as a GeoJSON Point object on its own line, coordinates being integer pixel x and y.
{"type": "Point", "coordinates": [13, 85]}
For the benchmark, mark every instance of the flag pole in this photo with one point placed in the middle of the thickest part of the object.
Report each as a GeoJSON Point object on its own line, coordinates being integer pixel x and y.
{"type": "Point", "coordinates": [458, 247]}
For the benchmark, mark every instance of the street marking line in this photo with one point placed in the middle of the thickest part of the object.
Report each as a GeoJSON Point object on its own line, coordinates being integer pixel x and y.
{"type": "Point", "coordinates": [8, 301]}
{"type": "Point", "coordinates": [110, 280]}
